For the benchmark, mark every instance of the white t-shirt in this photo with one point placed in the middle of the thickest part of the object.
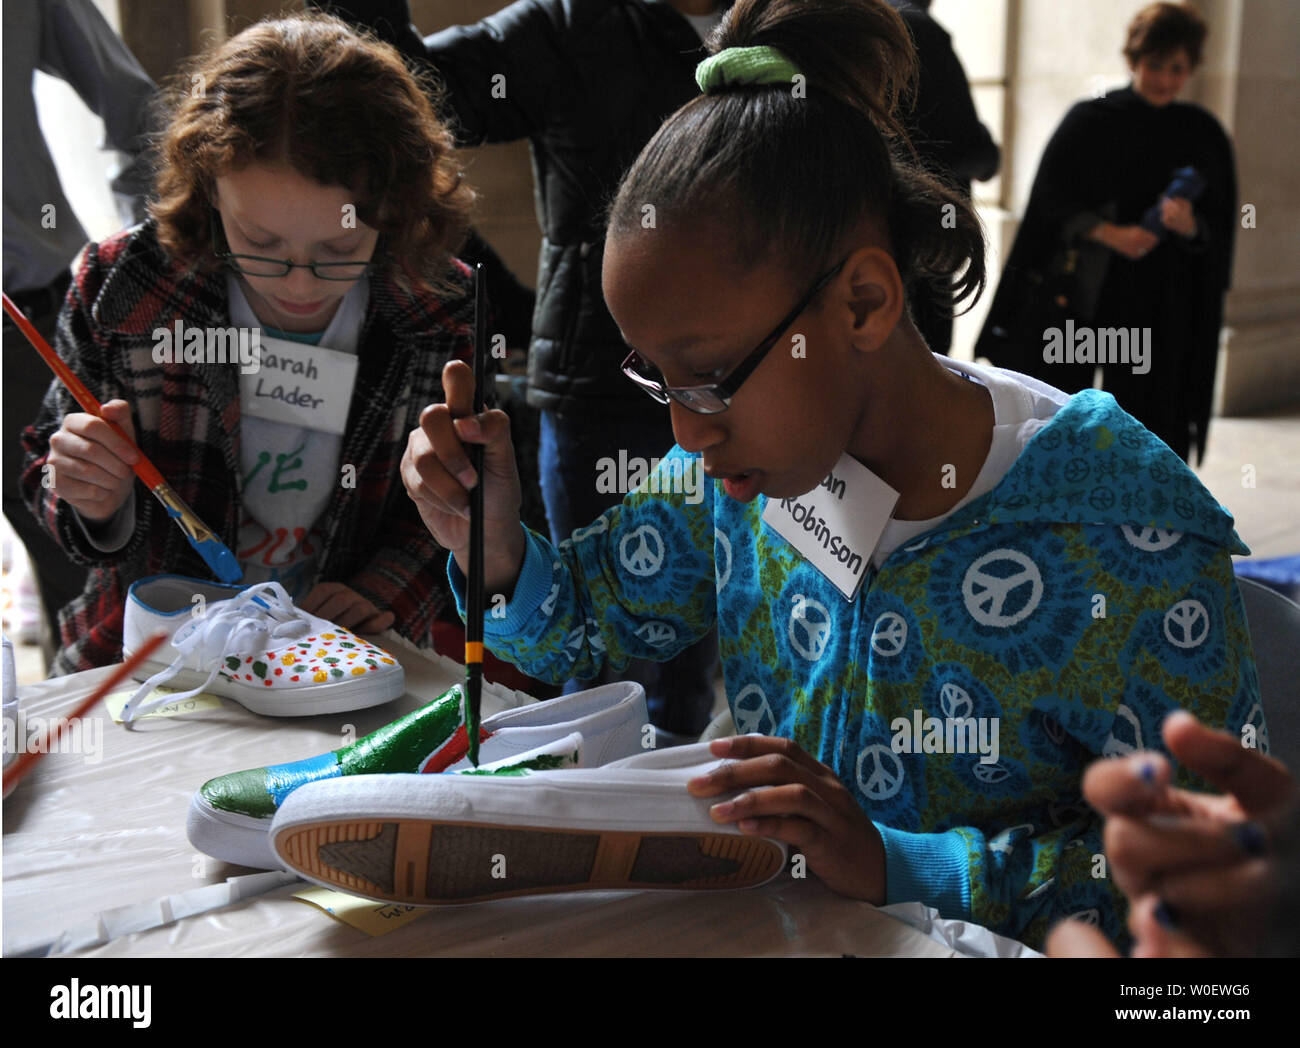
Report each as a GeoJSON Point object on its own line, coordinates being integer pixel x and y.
{"type": "Point", "coordinates": [290, 472]}
{"type": "Point", "coordinates": [1021, 407]}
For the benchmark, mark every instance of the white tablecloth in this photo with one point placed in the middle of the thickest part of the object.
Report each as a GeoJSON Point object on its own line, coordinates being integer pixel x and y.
{"type": "Point", "coordinates": [96, 861]}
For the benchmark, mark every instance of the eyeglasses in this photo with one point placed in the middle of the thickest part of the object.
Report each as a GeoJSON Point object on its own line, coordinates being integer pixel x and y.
{"type": "Point", "coordinates": [258, 266]}
{"type": "Point", "coordinates": [710, 400]}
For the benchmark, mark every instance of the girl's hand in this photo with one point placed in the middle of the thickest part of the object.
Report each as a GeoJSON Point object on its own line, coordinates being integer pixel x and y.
{"type": "Point", "coordinates": [92, 464]}
{"type": "Point", "coordinates": [1176, 214]}
{"type": "Point", "coordinates": [338, 603]}
{"type": "Point", "coordinates": [1077, 939]}
{"type": "Point", "coordinates": [805, 806]}
{"type": "Point", "coordinates": [438, 476]}
{"type": "Point", "coordinates": [1196, 866]}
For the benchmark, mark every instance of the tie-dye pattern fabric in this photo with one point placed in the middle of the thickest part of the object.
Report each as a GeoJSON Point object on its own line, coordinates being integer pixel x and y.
{"type": "Point", "coordinates": [1077, 603]}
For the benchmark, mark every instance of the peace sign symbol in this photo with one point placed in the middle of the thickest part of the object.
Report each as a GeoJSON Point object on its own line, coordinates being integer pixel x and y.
{"type": "Point", "coordinates": [985, 594]}
{"type": "Point", "coordinates": [1076, 470]}
{"type": "Point", "coordinates": [989, 773]}
{"type": "Point", "coordinates": [722, 558]}
{"type": "Point", "coordinates": [889, 634]}
{"type": "Point", "coordinates": [1184, 508]}
{"type": "Point", "coordinates": [752, 709]}
{"type": "Point", "coordinates": [593, 635]}
{"type": "Point", "coordinates": [1101, 498]}
{"type": "Point", "coordinates": [600, 524]}
{"type": "Point", "coordinates": [1158, 473]}
{"type": "Point", "coordinates": [548, 605]}
{"type": "Point", "coordinates": [574, 640]}
{"type": "Point", "coordinates": [657, 633]}
{"type": "Point", "coordinates": [1116, 747]}
{"type": "Point", "coordinates": [1187, 624]}
{"type": "Point", "coordinates": [886, 777]}
{"type": "Point", "coordinates": [810, 628]}
{"type": "Point", "coordinates": [956, 702]}
{"type": "Point", "coordinates": [1003, 843]}
{"type": "Point", "coordinates": [642, 551]}
{"type": "Point", "coordinates": [1150, 540]}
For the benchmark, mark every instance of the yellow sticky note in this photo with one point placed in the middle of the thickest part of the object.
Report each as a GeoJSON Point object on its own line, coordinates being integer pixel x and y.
{"type": "Point", "coordinates": [373, 918]}
{"type": "Point", "coordinates": [118, 700]}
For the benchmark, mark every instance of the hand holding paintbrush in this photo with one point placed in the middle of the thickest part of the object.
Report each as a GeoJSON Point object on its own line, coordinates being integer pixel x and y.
{"type": "Point", "coordinates": [118, 441]}
{"type": "Point", "coordinates": [442, 476]}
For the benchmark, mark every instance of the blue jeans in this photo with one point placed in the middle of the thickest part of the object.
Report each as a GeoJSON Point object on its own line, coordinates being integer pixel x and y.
{"type": "Point", "coordinates": [679, 692]}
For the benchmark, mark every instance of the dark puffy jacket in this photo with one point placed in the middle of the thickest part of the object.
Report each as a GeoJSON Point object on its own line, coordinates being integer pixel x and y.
{"type": "Point", "coordinates": [587, 82]}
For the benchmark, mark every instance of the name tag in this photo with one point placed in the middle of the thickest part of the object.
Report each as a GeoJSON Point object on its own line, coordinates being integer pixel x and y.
{"type": "Point", "coordinates": [837, 525]}
{"type": "Point", "coordinates": [304, 385]}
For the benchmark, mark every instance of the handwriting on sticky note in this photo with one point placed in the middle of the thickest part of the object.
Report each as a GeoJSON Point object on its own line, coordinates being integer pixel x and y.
{"type": "Point", "coordinates": [373, 918]}
{"type": "Point", "coordinates": [118, 700]}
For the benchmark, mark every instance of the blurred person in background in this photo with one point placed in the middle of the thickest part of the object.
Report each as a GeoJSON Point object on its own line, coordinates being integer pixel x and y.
{"type": "Point", "coordinates": [1103, 247]}
{"type": "Point", "coordinates": [70, 40]}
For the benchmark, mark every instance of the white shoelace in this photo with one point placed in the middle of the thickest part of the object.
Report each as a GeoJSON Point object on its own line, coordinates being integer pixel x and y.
{"type": "Point", "coordinates": [258, 618]}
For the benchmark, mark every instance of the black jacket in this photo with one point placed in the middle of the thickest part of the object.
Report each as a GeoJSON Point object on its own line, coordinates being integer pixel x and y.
{"type": "Point", "coordinates": [587, 82]}
{"type": "Point", "coordinates": [942, 123]}
{"type": "Point", "coordinates": [1111, 158]}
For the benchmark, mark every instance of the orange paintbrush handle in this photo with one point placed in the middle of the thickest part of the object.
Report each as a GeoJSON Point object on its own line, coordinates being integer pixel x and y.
{"type": "Point", "coordinates": [144, 469]}
{"type": "Point", "coordinates": [30, 756]}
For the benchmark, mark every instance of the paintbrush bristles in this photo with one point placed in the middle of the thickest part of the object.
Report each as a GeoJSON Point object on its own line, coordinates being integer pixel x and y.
{"type": "Point", "coordinates": [183, 515]}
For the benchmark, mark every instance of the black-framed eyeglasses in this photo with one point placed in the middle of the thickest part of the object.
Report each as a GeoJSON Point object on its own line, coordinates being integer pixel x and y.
{"type": "Point", "coordinates": [259, 266]}
{"type": "Point", "coordinates": [712, 399]}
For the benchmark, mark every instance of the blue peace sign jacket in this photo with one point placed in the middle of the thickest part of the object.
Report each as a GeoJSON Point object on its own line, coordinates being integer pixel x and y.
{"type": "Point", "coordinates": [1070, 609]}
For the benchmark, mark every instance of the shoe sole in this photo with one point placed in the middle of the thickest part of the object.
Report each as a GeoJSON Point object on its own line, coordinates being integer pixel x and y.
{"type": "Point", "coordinates": [432, 862]}
{"type": "Point", "coordinates": [315, 699]}
{"type": "Point", "coordinates": [230, 837]}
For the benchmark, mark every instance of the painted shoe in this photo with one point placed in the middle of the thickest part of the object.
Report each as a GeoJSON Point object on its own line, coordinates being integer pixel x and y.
{"type": "Point", "coordinates": [229, 816]}
{"type": "Point", "coordinates": [428, 841]}
{"type": "Point", "coordinates": [252, 645]}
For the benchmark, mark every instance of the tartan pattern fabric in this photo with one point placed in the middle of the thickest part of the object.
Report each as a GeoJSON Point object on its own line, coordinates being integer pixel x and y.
{"type": "Point", "coordinates": [186, 418]}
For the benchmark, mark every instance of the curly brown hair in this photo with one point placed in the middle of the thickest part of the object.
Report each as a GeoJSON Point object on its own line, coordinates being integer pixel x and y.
{"type": "Point", "coordinates": [1161, 29]}
{"type": "Point", "coordinates": [339, 107]}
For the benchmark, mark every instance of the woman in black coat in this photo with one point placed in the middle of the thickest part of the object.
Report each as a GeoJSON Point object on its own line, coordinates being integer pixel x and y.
{"type": "Point", "coordinates": [1085, 258]}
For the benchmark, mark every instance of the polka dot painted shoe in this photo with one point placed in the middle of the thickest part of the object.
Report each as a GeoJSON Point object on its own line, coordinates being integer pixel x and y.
{"type": "Point", "coordinates": [252, 645]}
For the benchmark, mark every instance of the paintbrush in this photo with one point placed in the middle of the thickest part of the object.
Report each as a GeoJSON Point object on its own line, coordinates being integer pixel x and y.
{"type": "Point", "coordinates": [475, 596]}
{"type": "Point", "coordinates": [204, 540]}
{"type": "Point", "coordinates": [31, 755]}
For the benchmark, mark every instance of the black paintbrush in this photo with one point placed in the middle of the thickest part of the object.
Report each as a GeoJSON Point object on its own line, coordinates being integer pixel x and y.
{"type": "Point", "coordinates": [475, 597]}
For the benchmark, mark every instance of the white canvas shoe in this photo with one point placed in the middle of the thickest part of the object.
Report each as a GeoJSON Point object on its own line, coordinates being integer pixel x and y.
{"type": "Point", "coordinates": [252, 645]}
{"type": "Point", "coordinates": [431, 840]}
{"type": "Point", "coordinates": [230, 815]}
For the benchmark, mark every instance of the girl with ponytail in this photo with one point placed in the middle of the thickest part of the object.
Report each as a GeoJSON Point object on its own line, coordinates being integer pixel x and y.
{"type": "Point", "coordinates": [1045, 580]}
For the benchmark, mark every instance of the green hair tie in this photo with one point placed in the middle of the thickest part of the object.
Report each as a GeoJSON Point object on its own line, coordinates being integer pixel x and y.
{"type": "Point", "coordinates": [736, 66]}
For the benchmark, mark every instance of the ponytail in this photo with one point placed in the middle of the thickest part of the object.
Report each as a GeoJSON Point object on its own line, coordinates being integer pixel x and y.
{"type": "Point", "coordinates": [791, 168]}
{"type": "Point", "coordinates": [935, 234]}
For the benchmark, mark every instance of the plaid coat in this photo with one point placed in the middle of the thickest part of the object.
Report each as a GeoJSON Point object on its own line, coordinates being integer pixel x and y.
{"type": "Point", "coordinates": [186, 419]}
